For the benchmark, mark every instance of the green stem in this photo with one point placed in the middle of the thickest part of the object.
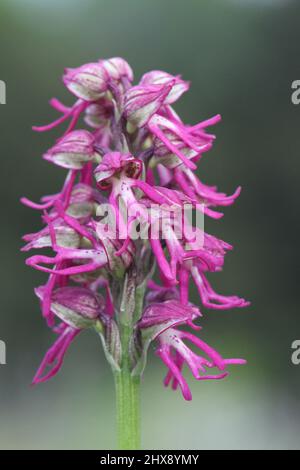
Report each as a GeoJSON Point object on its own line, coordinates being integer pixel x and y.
{"type": "Point", "coordinates": [128, 410]}
{"type": "Point", "coordinates": [127, 399]}
{"type": "Point", "coordinates": [127, 385]}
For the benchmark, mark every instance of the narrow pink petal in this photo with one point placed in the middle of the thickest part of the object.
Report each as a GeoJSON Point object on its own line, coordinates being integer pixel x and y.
{"type": "Point", "coordinates": [165, 357]}
{"type": "Point", "coordinates": [160, 135]}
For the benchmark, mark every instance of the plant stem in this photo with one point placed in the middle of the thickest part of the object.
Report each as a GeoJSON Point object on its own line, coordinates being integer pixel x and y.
{"type": "Point", "coordinates": [127, 386]}
{"type": "Point", "coordinates": [128, 410]}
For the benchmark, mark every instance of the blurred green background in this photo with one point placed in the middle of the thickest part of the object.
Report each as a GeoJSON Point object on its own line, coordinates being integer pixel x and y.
{"type": "Point", "coordinates": [241, 57]}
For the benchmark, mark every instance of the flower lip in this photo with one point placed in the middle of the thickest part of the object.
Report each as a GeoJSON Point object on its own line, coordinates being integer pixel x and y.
{"type": "Point", "coordinates": [54, 357]}
{"type": "Point", "coordinates": [175, 353]}
{"type": "Point", "coordinates": [115, 163]}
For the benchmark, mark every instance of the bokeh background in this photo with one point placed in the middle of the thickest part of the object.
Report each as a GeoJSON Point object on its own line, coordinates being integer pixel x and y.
{"type": "Point", "coordinates": [241, 57]}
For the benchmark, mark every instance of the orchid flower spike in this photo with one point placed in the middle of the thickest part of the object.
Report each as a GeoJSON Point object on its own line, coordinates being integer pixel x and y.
{"type": "Point", "coordinates": [120, 217]}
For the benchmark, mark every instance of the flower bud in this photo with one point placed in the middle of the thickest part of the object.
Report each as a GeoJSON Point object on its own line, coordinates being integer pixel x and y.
{"type": "Point", "coordinates": [73, 150]}
{"type": "Point", "coordinates": [159, 293]}
{"type": "Point", "coordinates": [65, 236]}
{"type": "Point", "coordinates": [117, 68]}
{"type": "Point", "coordinates": [142, 102]}
{"type": "Point", "coordinates": [157, 318]}
{"type": "Point", "coordinates": [98, 114]}
{"type": "Point", "coordinates": [158, 77]}
{"type": "Point", "coordinates": [88, 82]}
{"type": "Point", "coordinates": [162, 155]}
{"type": "Point", "coordinates": [81, 204]}
{"type": "Point", "coordinates": [79, 307]}
{"type": "Point", "coordinates": [167, 313]}
{"type": "Point", "coordinates": [117, 265]}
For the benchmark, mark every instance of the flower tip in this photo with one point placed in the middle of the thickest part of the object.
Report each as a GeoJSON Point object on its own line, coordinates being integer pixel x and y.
{"type": "Point", "coordinates": [37, 380]}
{"type": "Point", "coordinates": [237, 192]}
{"type": "Point", "coordinates": [190, 164]}
{"type": "Point", "coordinates": [24, 201]}
{"type": "Point", "coordinates": [243, 303]}
{"type": "Point", "coordinates": [39, 292]}
{"type": "Point", "coordinates": [47, 157]}
{"type": "Point", "coordinates": [214, 214]}
{"type": "Point", "coordinates": [242, 362]}
{"type": "Point", "coordinates": [214, 120]}
{"type": "Point", "coordinates": [193, 326]}
{"type": "Point", "coordinates": [236, 362]}
{"type": "Point", "coordinates": [36, 128]}
{"type": "Point", "coordinates": [221, 376]}
{"type": "Point", "coordinates": [186, 393]}
{"type": "Point", "coordinates": [188, 397]}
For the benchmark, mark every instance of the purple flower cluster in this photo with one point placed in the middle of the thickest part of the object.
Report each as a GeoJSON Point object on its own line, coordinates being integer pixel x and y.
{"type": "Point", "coordinates": [136, 152]}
